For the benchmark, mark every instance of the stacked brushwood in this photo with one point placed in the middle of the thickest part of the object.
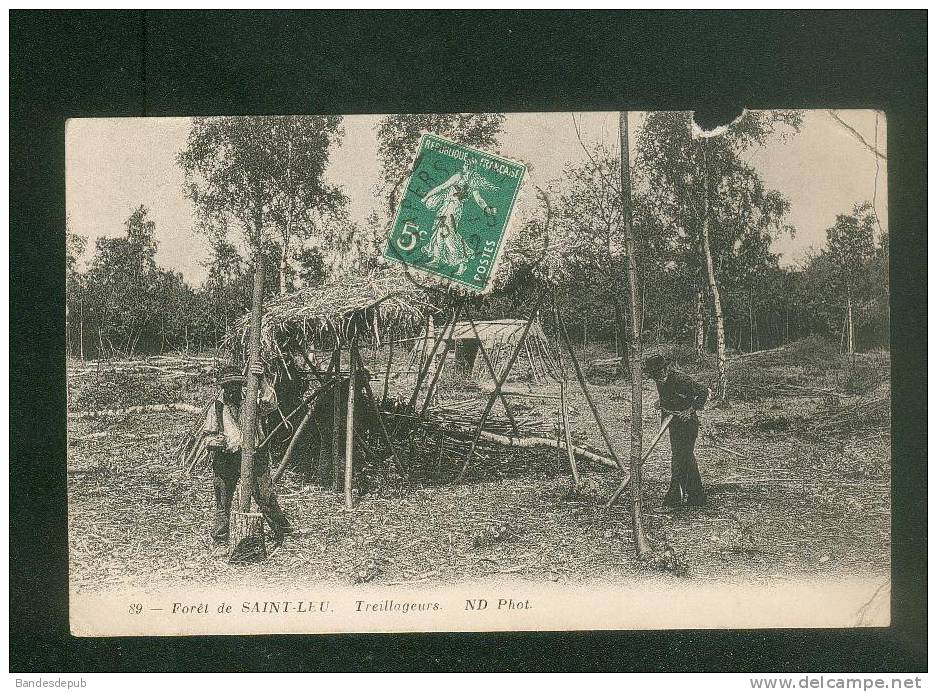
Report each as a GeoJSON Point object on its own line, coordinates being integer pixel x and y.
{"type": "Point", "coordinates": [866, 414]}
{"type": "Point", "coordinates": [437, 445]}
{"type": "Point", "coordinates": [135, 386]}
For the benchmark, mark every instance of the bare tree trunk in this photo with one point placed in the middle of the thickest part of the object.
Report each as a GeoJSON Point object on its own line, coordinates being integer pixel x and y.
{"type": "Point", "coordinates": [634, 352]}
{"type": "Point", "coordinates": [850, 326]}
{"type": "Point", "coordinates": [284, 251]}
{"type": "Point", "coordinates": [81, 325]}
{"type": "Point", "coordinates": [338, 415]}
{"type": "Point", "coordinates": [350, 427]}
{"type": "Point", "coordinates": [700, 326]}
{"type": "Point", "coordinates": [722, 383]}
{"type": "Point", "coordinates": [751, 322]}
{"type": "Point", "coordinates": [247, 526]}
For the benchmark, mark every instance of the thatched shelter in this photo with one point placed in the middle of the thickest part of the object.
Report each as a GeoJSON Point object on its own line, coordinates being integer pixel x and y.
{"type": "Point", "coordinates": [358, 307]}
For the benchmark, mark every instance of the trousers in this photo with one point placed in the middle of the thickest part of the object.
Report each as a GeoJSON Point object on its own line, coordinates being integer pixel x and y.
{"type": "Point", "coordinates": [685, 481]}
{"type": "Point", "coordinates": [227, 469]}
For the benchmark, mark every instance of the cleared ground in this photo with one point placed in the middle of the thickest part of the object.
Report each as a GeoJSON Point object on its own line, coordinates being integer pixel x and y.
{"type": "Point", "coordinates": [797, 471]}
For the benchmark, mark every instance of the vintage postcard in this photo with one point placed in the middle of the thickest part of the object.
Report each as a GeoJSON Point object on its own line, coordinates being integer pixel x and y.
{"type": "Point", "coordinates": [478, 372]}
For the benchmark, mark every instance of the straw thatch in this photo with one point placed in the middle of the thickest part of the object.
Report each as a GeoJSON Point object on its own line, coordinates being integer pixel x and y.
{"type": "Point", "coordinates": [365, 307]}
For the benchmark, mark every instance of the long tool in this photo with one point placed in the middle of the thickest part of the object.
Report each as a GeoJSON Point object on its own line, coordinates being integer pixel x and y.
{"type": "Point", "coordinates": [624, 484]}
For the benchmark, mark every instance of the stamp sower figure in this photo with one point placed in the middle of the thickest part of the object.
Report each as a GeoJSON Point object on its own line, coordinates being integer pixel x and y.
{"type": "Point", "coordinates": [223, 425]}
{"type": "Point", "coordinates": [681, 396]}
{"type": "Point", "coordinates": [447, 246]}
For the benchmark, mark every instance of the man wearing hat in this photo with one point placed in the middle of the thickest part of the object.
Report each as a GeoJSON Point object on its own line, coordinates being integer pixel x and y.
{"type": "Point", "coordinates": [681, 396]}
{"type": "Point", "coordinates": [223, 428]}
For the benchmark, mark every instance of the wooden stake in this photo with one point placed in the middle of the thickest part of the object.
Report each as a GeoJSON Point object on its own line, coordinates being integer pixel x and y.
{"type": "Point", "coordinates": [561, 328]}
{"type": "Point", "coordinates": [350, 424]}
{"type": "Point", "coordinates": [285, 419]}
{"type": "Point", "coordinates": [566, 433]}
{"type": "Point", "coordinates": [288, 454]}
{"type": "Point", "coordinates": [390, 360]}
{"type": "Point", "coordinates": [398, 462]}
{"type": "Point", "coordinates": [442, 359]}
{"type": "Point", "coordinates": [424, 368]}
{"type": "Point", "coordinates": [337, 417]}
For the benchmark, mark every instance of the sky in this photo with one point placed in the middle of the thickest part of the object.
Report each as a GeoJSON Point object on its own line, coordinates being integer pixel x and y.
{"type": "Point", "coordinates": [113, 165]}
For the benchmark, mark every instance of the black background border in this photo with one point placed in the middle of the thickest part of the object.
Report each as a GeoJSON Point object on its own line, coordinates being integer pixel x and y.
{"type": "Point", "coordinates": [133, 63]}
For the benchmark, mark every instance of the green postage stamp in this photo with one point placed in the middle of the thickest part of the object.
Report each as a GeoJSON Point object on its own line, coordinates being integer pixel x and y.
{"type": "Point", "coordinates": [452, 221]}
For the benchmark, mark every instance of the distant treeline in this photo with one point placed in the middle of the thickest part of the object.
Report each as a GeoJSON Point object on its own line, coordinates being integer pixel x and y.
{"type": "Point", "coordinates": [703, 219]}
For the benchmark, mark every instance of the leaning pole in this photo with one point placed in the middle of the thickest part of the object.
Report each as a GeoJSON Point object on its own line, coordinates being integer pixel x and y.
{"type": "Point", "coordinates": [634, 352]}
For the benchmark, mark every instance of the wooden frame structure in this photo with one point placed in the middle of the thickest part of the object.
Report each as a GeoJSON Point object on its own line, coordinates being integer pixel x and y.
{"type": "Point", "coordinates": [360, 321]}
{"type": "Point", "coordinates": [483, 347]}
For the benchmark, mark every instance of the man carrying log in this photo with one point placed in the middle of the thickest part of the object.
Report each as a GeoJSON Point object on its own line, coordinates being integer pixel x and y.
{"type": "Point", "coordinates": [223, 430]}
{"type": "Point", "coordinates": [680, 396]}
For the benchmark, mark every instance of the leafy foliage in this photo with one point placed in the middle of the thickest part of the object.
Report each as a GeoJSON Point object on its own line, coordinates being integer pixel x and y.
{"type": "Point", "coordinates": [261, 180]}
{"type": "Point", "coordinates": [398, 136]}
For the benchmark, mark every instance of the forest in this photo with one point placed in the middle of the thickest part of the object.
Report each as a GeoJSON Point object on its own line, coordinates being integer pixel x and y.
{"type": "Point", "coordinates": [704, 222]}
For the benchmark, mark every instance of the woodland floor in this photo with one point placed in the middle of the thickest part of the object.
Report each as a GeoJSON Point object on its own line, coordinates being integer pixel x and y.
{"type": "Point", "coordinates": [788, 497]}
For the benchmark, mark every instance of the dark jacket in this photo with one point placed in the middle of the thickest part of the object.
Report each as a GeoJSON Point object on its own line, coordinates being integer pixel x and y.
{"type": "Point", "coordinates": [680, 392]}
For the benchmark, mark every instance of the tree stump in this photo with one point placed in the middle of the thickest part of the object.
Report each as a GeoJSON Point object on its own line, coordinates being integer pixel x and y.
{"type": "Point", "coordinates": [245, 533]}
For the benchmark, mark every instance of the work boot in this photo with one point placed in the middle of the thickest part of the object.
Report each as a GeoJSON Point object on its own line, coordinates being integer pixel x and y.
{"type": "Point", "coordinates": [674, 496]}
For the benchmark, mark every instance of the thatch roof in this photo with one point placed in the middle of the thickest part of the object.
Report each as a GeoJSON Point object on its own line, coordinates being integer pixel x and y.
{"type": "Point", "coordinates": [367, 307]}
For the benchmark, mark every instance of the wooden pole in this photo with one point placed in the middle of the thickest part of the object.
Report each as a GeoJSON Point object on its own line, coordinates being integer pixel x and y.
{"type": "Point", "coordinates": [534, 441]}
{"type": "Point", "coordinates": [424, 368]}
{"type": "Point", "coordinates": [442, 359]}
{"type": "Point", "coordinates": [288, 454]}
{"type": "Point", "coordinates": [494, 377]}
{"type": "Point", "coordinates": [635, 355]}
{"type": "Point", "coordinates": [350, 424]}
{"type": "Point", "coordinates": [285, 419]}
{"type": "Point", "coordinates": [81, 321]}
{"type": "Point", "coordinates": [624, 484]}
{"type": "Point", "coordinates": [722, 377]}
{"type": "Point", "coordinates": [337, 417]}
{"type": "Point", "coordinates": [564, 408]}
{"type": "Point", "coordinates": [390, 360]}
{"type": "Point", "coordinates": [398, 462]}
{"type": "Point", "coordinates": [498, 384]}
{"type": "Point", "coordinates": [246, 527]}
{"type": "Point", "coordinates": [561, 328]}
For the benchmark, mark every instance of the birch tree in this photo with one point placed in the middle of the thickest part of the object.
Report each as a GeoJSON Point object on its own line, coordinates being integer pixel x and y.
{"type": "Point", "coordinates": [711, 198]}
{"type": "Point", "coordinates": [253, 174]}
{"type": "Point", "coordinates": [851, 248]}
